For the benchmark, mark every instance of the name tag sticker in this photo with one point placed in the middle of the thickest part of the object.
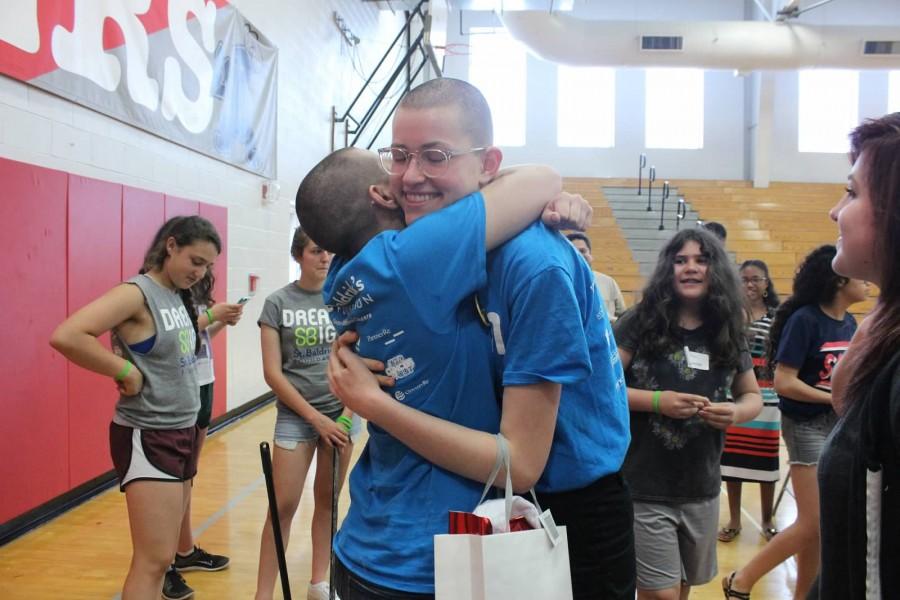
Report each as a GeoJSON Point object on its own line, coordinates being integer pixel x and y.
{"type": "Point", "coordinates": [696, 360]}
{"type": "Point", "coordinates": [550, 529]}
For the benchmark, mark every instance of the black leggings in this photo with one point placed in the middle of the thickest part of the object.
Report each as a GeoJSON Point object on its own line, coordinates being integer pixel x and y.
{"type": "Point", "coordinates": [352, 587]}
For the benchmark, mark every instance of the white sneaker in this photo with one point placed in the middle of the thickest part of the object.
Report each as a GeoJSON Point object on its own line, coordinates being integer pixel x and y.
{"type": "Point", "coordinates": [319, 591]}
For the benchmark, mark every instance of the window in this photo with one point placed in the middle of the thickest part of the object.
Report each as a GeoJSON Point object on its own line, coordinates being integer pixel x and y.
{"type": "Point", "coordinates": [828, 104]}
{"type": "Point", "coordinates": [674, 108]}
{"type": "Point", "coordinates": [497, 68]}
{"type": "Point", "coordinates": [586, 107]}
{"type": "Point", "coordinates": [893, 92]}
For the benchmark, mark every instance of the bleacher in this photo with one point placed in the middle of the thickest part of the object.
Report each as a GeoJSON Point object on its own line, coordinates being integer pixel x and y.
{"type": "Point", "coordinates": [779, 225]}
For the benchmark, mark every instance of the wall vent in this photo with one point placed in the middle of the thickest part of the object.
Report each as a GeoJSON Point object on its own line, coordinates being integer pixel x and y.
{"type": "Point", "coordinates": [662, 42]}
{"type": "Point", "coordinates": [881, 48]}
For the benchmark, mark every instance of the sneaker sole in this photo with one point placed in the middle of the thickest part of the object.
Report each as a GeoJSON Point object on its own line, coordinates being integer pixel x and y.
{"type": "Point", "coordinates": [191, 595]}
{"type": "Point", "coordinates": [199, 568]}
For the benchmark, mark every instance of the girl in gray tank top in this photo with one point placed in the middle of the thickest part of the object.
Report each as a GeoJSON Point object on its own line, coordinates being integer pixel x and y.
{"type": "Point", "coordinates": [154, 331]}
{"type": "Point", "coordinates": [296, 337]}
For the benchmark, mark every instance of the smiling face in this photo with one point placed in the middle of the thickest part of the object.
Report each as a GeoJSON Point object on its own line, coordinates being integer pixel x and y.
{"type": "Point", "coordinates": [855, 216]}
{"type": "Point", "coordinates": [416, 129]}
{"type": "Point", "coordinates": [755, 284]}
{"type": "Point", "coordinates": [186, 265]}
{"type": "Point", "coordinates": [691, 273]}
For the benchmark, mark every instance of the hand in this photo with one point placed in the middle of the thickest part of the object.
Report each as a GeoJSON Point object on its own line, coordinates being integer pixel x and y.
{"type": "Point", "coordinates": [227, 313]}
{"type": "Point", "coordinates": [347, 340]}
{"type": "Point", "coordinates": [568, 211]}
{"type": "Point", "coordinates": [681, 406]}
{"type": "Point", "coordinates": [132, 383]}
{"type": "Point", "coordinates": [352, 381]}
{"type": "Point", "coordinates": [331, 432]}
{"type": "Point", "coordinates": [720, 415]}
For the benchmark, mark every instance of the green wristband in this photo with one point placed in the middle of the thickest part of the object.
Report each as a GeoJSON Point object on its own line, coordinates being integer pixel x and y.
{"type": "Point", "coordinates": [656, 396]}
{"type": "Point", "coordinates": [124, 372]}
{"type": "Point", "coordinates": [345, 422]}
{"type": "Point", "coordinates": [210, 317]}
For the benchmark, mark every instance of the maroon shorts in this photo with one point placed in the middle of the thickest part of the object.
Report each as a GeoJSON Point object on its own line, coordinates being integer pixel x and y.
{"type": "Point", "coordinates": [153, 454]}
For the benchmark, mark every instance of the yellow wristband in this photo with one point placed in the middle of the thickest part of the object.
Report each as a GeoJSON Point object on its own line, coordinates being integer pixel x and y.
{"type": "Point", "coordinates": [655, 402]}
{"type": "Point", "coordinates": [210, 317]}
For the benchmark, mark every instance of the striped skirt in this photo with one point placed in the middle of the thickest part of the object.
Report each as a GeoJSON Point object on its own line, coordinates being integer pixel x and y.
{"type": "Point", "coordinates": [751, 449]}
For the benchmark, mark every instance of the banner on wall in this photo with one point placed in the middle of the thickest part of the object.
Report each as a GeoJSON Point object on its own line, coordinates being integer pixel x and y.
{"type": "Point", "coordinates": [191, 71]}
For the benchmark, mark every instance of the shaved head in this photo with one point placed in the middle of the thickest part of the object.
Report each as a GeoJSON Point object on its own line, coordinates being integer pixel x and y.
{"type": "Point", "coordinates": [333, 202]}
{"type": "Point", "coordinates": [472, 109]}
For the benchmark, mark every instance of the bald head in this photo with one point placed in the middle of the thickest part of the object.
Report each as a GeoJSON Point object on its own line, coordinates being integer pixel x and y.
{"type": "Point", "coordinates": [473, 111]}
{"type": "Point", "coordinates": [333, 202]}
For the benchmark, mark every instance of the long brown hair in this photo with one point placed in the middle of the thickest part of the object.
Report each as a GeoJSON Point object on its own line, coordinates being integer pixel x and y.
{"type": "Point", "coordinates": [878, 142]}
{"type": "Point", "coordinates": [185, 231]}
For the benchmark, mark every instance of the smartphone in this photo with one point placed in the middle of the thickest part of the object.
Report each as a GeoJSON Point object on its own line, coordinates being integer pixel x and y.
{"type": "Point", "coordinates": [243, 300]}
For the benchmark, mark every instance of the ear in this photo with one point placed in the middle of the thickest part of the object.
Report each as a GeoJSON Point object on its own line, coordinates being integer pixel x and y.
{"type": "Point", "coordinates": [171, 246]}
{"type": "Point", "coordinates": [380, 195]}
{"type": "Point", "coordinates": [490, 164]}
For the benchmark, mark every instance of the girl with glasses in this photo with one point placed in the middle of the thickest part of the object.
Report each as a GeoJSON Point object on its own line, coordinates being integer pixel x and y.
{"type": "Point", "coordinates": [751, 449]}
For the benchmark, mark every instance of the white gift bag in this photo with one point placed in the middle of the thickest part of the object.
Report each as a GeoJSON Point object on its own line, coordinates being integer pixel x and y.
{"type": "Point", "coordinates": [522, 565]}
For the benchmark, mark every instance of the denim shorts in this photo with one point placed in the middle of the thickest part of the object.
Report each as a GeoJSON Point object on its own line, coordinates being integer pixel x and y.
{"type": "Point", "coordinates": [292, 429]}
{"type": "Point", "coordinates": [805, 439]}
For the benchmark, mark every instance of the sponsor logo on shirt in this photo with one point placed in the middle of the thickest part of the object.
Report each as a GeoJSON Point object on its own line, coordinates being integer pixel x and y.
{"type": "Point", "coordinates": [400, 366]}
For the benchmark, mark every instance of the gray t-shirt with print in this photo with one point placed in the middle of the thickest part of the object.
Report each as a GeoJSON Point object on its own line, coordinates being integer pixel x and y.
{"type": "Point", "coordinates": [674, 460]}
{"type": "Point", "coordinates": [306, 333]}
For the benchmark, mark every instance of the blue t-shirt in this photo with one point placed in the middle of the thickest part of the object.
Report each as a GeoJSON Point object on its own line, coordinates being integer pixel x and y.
{"type": "Point", "coordinates": [549, 323]}
{"type": "Point", "coordinates": [410, 296]}
{"type": "Point", "coordinates": [813, 343]}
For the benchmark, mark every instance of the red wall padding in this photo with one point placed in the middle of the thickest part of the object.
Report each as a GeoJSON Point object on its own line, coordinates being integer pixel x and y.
{"type": "Point", "coordinates": [218, 216]}
{"type": "Point", "coordinates": [143, 213]}
{"type": "Point", "coordinates": [178, 207]}
{"type": "Point", "coordinates": [71, 240]}
{"type": "Point", "coordinates": [94, 267]}
{"type": "Point", "coordinates": [33, 412]}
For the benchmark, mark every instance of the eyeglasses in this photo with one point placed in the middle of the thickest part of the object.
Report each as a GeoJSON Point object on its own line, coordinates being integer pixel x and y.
{"type": "Point", "coordinates": [753, 280]}
{"type": "Point", "coordinates": [433, 162]}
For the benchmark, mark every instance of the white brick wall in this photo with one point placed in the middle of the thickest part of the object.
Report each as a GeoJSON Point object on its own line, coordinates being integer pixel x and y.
{"type": "Point", "coordinates": [315, 72]}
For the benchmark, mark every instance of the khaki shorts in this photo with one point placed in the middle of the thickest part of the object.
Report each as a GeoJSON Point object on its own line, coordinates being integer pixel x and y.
{"type": "Point", "coordinates": [675, 543]}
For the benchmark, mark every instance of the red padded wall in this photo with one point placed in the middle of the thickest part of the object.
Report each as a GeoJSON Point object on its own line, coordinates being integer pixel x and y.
{"type": "Point", "coordinates": [176, 207]}
{"type": "Point", "coordinates": [218, 216]}
{"type": "Point", "coordinates": [143, 213]}
{"type": "Point", "coordinates": [33, 414]}
{"type": "Point", "coordinates": [94, 266]}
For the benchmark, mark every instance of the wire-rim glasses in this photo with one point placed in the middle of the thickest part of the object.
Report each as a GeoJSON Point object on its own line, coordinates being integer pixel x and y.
{"type": "Point", "coordinates": [433, 162]}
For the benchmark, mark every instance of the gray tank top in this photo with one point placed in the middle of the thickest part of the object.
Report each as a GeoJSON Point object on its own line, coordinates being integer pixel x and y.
{"type": "Point", "coordinates": [170, 398]}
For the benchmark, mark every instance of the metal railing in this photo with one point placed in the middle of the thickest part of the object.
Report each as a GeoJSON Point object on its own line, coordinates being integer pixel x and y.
{"type": "Point", "coordinates": [680, 206]}
{"type": "Point", "coordinates": [410, 41]}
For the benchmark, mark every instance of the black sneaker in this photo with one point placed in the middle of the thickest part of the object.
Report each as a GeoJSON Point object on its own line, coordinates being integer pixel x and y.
{"type": "Point", "coordinates": [201, 560]}
{"type": "Point", "coordinates": [174, 587]}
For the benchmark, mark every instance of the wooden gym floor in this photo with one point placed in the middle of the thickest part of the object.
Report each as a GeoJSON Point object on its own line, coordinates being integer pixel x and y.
{"type": "Point", "coordinates": [84, 554]}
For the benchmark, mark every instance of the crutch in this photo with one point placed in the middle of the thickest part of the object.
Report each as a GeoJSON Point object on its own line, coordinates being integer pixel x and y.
{"type": "Point", "coordinates": [276, 524]}
{"type": "Point", "coordinates": [335, 468]}
{"type": "Point", "coordinates": [784, 485]}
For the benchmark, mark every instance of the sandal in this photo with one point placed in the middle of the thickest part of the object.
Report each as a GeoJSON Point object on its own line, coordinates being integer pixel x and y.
{"type": "Point", "coordinates": [769, 533]}
{"type": "Point", "coordinates": [727, 534]}
{"type": "Point", "coordinates": [730, 593]}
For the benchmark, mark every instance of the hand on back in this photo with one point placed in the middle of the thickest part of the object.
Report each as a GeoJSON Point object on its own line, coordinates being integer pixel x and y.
{"type": "Point", "coordinates": [568, 211]}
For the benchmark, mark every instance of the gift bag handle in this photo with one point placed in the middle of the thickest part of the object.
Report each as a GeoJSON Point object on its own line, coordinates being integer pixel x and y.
{"type": "Point", "coordinates": [503, 460]}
